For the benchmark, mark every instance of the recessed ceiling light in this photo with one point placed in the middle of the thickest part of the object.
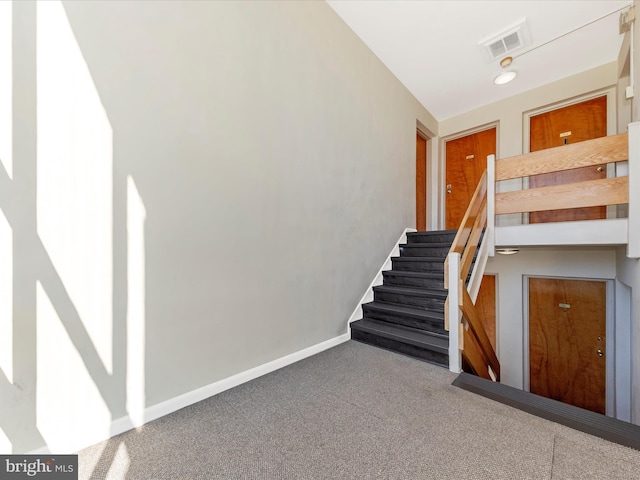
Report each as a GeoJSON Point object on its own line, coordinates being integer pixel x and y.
{"type": "Point", "coordinates": [505, 77]}
{"type": "Point", "coordinates": [507, 251]}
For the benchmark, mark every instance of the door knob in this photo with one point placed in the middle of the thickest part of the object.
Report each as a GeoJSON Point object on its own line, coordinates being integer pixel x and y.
{"type": "Point", "coordinates": [600, 353]}
{"type": "Point", "coordinates": [599, 169]}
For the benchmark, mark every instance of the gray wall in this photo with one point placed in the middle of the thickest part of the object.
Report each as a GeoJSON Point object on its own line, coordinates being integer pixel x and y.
{"type": "Point", "coordinates": [273, 155]}
{"type": "Point", "coordinates": [630, 268]}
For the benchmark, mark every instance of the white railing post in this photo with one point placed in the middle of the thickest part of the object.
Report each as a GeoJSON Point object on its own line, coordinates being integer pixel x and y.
{"type": "Point", "coordinates": [490, 234]}
{"type": "Point", "coordinates": [453, 312]}
{"type": "Point", "coordinates": [633, 245]}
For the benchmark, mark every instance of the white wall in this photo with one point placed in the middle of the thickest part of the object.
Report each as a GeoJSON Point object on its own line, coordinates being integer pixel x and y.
{"type": "Point", "coordinates": [261, 167]}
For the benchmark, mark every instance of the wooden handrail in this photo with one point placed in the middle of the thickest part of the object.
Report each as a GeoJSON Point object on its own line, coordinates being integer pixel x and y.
{"type": "Point", "coordinates": [470, 215]}
{"type": "Point", "coordinates": [474, 240]}
{"type": "Point", "coordinates": [473, 342]}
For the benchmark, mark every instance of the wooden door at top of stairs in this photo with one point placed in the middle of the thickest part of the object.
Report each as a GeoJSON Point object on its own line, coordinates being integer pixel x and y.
{"type": "Point", "coordinates": [567, 327]}
{"type": "Point", "coordinates": [571, 124]}
{"type": "Point", "coordinates": [421, 183]}
{"type": "Point", "coordinates": [466, 161]}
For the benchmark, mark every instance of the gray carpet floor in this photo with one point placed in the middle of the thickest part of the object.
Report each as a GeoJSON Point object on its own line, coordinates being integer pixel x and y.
{"type": "Point", "coordinates": [355, 412]}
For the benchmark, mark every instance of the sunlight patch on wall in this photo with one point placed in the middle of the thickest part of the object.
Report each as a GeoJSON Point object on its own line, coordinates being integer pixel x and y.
{"type": "Point", "coordinates": [136, 216]}
{"type": "Point", "coordinates": [6, 447]}
{"type": "Point", "coordinates": [6, 298]}
{"type": "Point", "coordinates": [70, 412]}
{"type": "Point", "coordinates": [6, 87]}
{"type": "Point", "coordinates": [74, 176]}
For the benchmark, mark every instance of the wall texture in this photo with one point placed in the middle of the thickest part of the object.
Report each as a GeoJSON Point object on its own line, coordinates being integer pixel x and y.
{"type": "Point", "coordinates": [253, 163]}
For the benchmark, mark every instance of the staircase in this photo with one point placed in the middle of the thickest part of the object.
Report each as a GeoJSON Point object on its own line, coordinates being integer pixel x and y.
{"type": "Point", "coordinates": [407, 313]}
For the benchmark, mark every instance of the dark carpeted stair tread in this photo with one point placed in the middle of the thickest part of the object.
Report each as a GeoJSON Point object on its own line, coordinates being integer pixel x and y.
{"type": "Point", "coordinates": [418, 259]}
{"type": "Point", "coordinates": [413, 279]}
{"type": "Point", "coordinates": [412, 336]}
{"type": "Point", "coordinates": [433, 236]}
{"type": "Point", "coordinates": [419, 313]}
{"type": "Point", "coordinates": [426, 245]}
{"type": "Point", "coordinates": [418, 264]}
{"type": "Point", "coordinates": [422, 292]}
{"type": "Point", "coordinates": [425, 249]}
{"type": "Point", "coordinates": [433, 232]}
{"type": "Point", "coordinates": [406, 273]}
{"type": "Point", "coordinates": [407, 313]}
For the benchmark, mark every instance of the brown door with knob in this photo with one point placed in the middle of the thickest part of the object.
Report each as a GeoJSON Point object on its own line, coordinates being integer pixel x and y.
{"type": "Point", "coordinates": [466, 161]}
{"type": "Point", "coordinates": [571, 124]}
{"type": "Point", "coordinates": [567, 327]}
{"type": "Point", "coordinates": [421, 183]}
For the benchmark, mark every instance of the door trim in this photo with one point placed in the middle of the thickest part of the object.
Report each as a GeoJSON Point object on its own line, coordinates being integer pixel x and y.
{"type": "Point", "coordinates": [609, 92]}
{"type": "Point", "coordinates": [610, 391]}
{"type": "Point", "coordinates": [442, 174]}
{"type": "Point", "coordinates": [612, 129]}
{"type": "Point", "coordinates": [427, 144]}
{"type": "Point", "coordinates": [429, 136]}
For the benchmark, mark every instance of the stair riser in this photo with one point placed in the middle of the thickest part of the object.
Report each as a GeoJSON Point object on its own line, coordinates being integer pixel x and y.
{"type": "Point", "coordinates": [430, 325]}
{"type": "Point", "coordinates": [418, 266]}
{"type": "Point", "coordinates": [432, 303]}
{"type": "Point", "coordinates": [400, 347]}
{"type": "Point", "coordinates": [431, 238]}
{"type": "Point", "coordinates": [419, 250]}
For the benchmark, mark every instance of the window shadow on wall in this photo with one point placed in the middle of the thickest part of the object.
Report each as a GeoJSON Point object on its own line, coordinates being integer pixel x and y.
{"type": "Point", "coordinates": [72, 247]}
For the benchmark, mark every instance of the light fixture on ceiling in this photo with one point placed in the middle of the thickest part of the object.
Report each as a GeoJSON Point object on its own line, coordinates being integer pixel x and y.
{"type": "Point", "coordinates": [507, 251]}
{"type": "Point", "coordinates": [506, 75]}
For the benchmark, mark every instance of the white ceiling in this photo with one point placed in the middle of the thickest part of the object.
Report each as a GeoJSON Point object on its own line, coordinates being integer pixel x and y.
{"type": "Point", "coordinates": [432, 45]}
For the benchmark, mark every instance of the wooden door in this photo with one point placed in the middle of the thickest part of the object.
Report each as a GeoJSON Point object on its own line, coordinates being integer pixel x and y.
{"type": "Point", "coordinates": [571, 124]}
{"type": "Point", "coordinates": [567, 326]}
{"type": "Point", "coordinates": [466, 161]}
{"type": "Point", "coordinates": [421, 183]}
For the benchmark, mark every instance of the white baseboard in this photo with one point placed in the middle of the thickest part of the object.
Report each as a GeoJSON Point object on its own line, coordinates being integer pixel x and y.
{"type": "Point", "coordinates": [154, 412]}
{"type": "Point", "coordinates": [377, 280]}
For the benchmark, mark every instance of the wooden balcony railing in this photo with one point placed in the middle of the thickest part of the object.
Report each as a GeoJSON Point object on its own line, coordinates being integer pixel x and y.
{"type": "Point", "coordinates": [464, 268]}
{"type": "Point", "coordinates": [623, 150]}
{"type": "Point", "coordinates": [592, 193]}
{"type": "Point", "coordinates": [475, 240]}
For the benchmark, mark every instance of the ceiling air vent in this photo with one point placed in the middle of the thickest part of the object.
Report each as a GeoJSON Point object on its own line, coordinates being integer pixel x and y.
{"type": "Point", "coordinates": [509, 41]}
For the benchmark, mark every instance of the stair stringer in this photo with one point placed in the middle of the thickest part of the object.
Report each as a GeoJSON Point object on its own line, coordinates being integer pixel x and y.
{"type": "Point", "coordinates": [377, 280]}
